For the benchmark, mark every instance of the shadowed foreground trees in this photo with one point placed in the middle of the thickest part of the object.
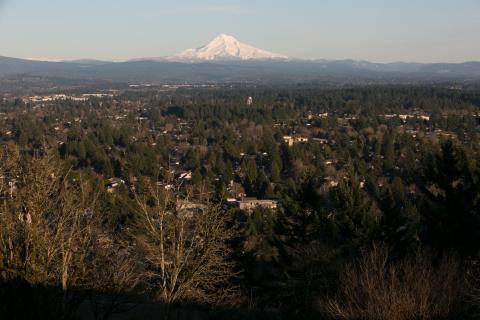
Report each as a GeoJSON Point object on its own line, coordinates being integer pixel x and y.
{"type": "Point", "coordinates": [48, 227]}
{"type": "Point", "coordinates": [51, 238]}
{"type": "Point", "coordinates": [56, 256]}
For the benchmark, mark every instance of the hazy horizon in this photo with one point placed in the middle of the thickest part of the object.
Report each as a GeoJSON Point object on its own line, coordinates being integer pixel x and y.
{"type": "Point", "coordinates": [377, 31]}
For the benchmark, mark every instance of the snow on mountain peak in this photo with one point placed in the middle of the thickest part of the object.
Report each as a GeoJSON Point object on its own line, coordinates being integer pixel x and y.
{"type": "Point", "coordinates": [226, 47]}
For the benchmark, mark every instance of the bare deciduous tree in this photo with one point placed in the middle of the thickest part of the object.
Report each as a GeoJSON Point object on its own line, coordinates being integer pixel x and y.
{"type": "Point", "coordinates": [51, 219]}
{"type": "Point", "coordinates": [186, 254]}
{"type": "Point", "coordinates": [47, 227]}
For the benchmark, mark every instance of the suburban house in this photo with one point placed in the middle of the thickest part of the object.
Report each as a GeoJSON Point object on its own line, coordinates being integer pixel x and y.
{"type": "Point", "coordinates": [290, 141]}
{"type": "Point", "coordinates": [249, 204]}
{"type": "Point", "coordinates": [113, 183]}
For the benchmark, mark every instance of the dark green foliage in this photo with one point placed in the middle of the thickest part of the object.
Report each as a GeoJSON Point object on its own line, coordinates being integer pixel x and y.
{"type": "Point", "coordinates": [364, 176]}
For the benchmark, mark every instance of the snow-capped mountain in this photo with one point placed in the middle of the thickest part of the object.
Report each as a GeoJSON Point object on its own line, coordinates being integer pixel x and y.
{"type": "Point", "coordinates": [225, 47]}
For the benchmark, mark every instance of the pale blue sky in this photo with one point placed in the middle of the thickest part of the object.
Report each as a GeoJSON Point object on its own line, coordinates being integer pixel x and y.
{"type": "Point", "coordinates": [375, 30]}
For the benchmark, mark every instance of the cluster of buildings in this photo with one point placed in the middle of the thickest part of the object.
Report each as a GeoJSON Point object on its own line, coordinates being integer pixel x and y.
{"type": "Point", "coordinates": [64, 97]}
{"type": "Point", "coordinates": [405, 117]}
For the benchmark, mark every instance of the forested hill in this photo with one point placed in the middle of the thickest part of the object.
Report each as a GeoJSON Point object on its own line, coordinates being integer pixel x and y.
{"type": "Point", "coordinates": [222, 71]}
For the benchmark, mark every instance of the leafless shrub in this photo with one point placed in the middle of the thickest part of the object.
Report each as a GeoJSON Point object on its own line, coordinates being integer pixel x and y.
{"type": "Point", "coordinates": [414, 288]}
{"type": "Point", "coordinates": [115, 277]}
{"type": "Point", "coordinates": [473, 286]}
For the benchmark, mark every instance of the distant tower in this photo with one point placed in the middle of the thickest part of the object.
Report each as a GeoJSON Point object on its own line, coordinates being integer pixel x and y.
{"type": "Point", "coordinates": [249, 101]}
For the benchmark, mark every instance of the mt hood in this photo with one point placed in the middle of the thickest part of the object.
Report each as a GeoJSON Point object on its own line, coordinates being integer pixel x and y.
{"type": "Point", "coordinates": [225, 47]}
